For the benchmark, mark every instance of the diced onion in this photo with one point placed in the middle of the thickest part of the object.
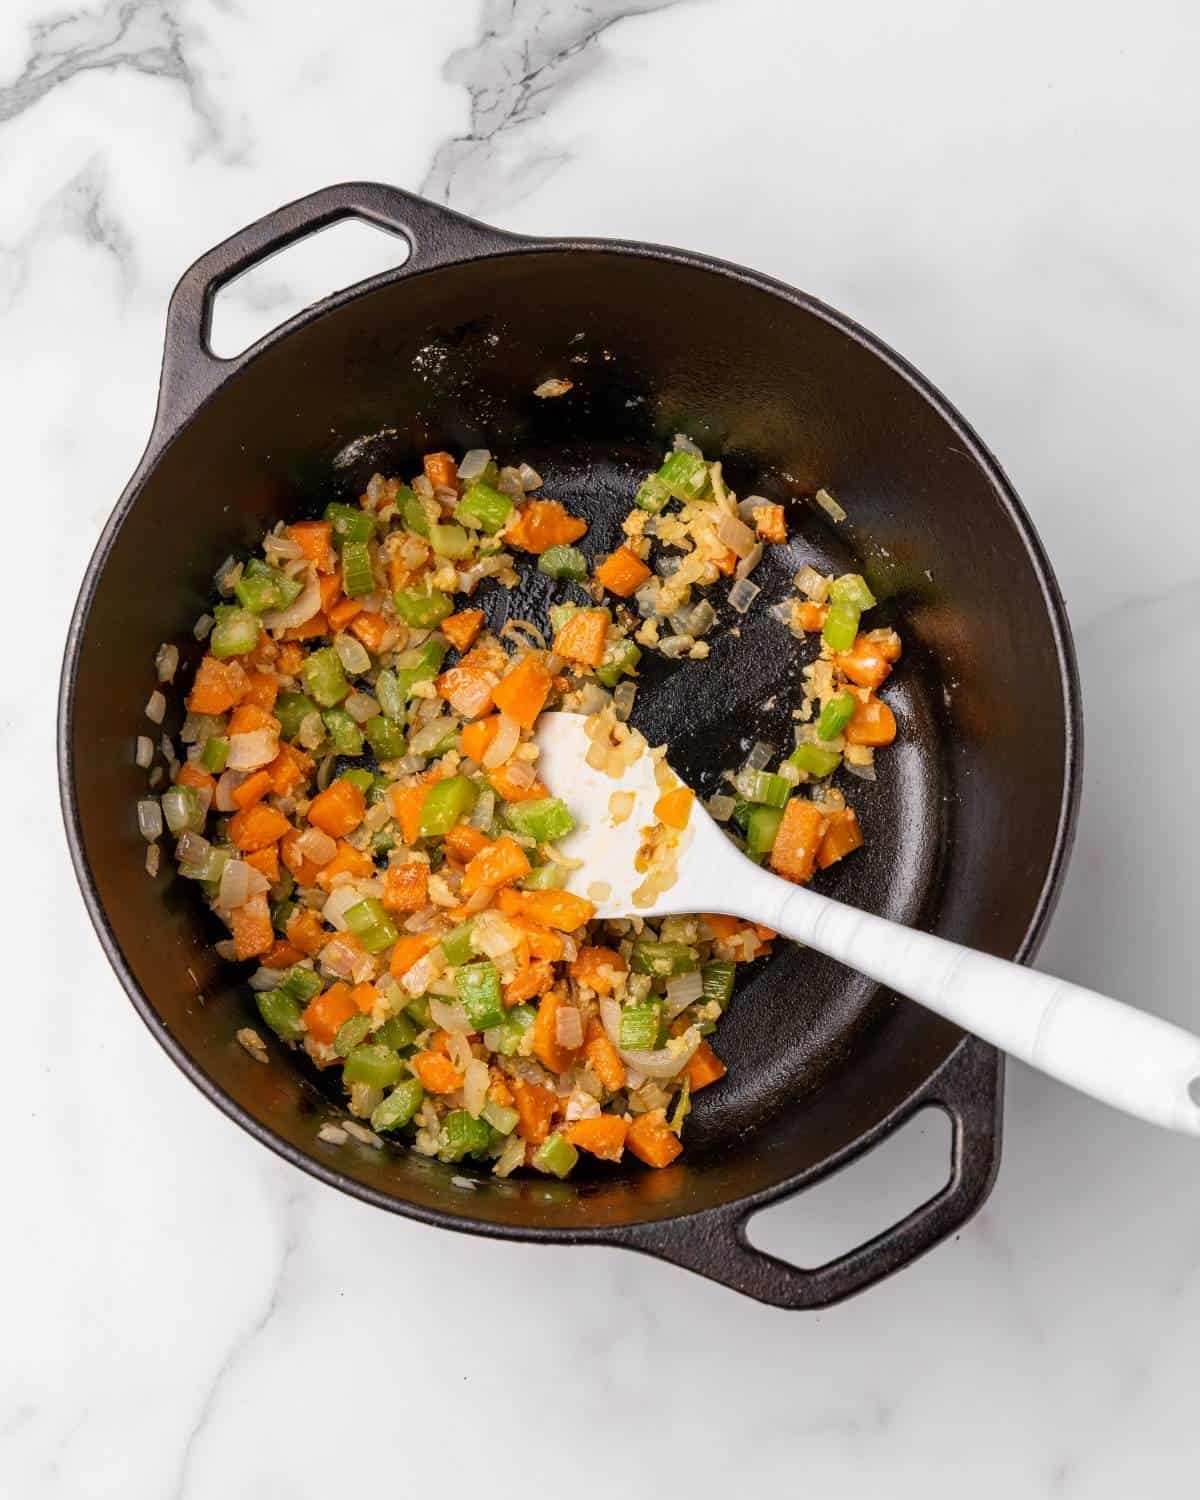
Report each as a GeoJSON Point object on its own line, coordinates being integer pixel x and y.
{"type": "Point", "coordinates": [226, 786]}
{"type": "Point", "coordinates": [484, 810]}
{"type": "Point", "coordinates": [476, 1080]}
{"type": "Point", "coordinates": [247, 752]}
{"type": "Point", "coordinates": [341, 899]}
{"type": "Point", "coordinates": [623, 695]}
{"type": "Point", "coordinates": [166, 662]}
{"type": "Point", "coordinates": [474, 461]}
{"type": "Point", "coordinates": [666, 1062]}
{"type": "Point", "coordinates": [150, 819]}
{"type": "Point", "coordinates": [750, 561]}
{"type": "Point", "coordinates": [234, 890]}
{"type": "Point", "coordinates": [300, 610]}
{"type": "Point", "coordinates": [153, 859]}
{"type": "Point", "coordinates": [431, 734]}
{"type": "Point", "coordinates": [553, 387]}
{"type": "Point", "coordinates": [311, 731]}
{"type": "Point", "coordinates": [530, 478]}
{"type": "Point", "coordinates": [737, 535]}
{"type": "Point", "coordinates": [683, 444]}
{"type": "Point", "coordinates": [830, 506]}
{"type": "Point", "coordinates": [192, 849]}
{"type": "Point", "coordinates": [721, 807]}
{"type": "Point", "coordinates": [352, 654]}
{"type": "Point", "coordinates": [360, 707]}
{"type": "Point", "coordinates": [749, 505]}
{"type": "Point", "coordinates": [743, 594]}
{"type": "Point", "coordinates": [760, 756]}
{"type": "Point", "coordinates": [450, 1016]}
{"type": "Point", "coordinates": [265, 979]}
{"type": "Point", "coordinates": [683, 990]}
{"type": "Point", "coordinates": [504, 742]}
{"type": "Point", "coordinates": [203, 626]}
{"type": "Point", "coordinates": [812, 585]}
{"type": "Point", "coordinates": [509, 483]}
{"type": "Point", "coordinates": [863, 772]}
{"type": "Point", "coordinates": [156, 707]}
{"type": "Point", "coordinates": [568, 1027]}
{"type": "Point", "coordinates": [143, 754]}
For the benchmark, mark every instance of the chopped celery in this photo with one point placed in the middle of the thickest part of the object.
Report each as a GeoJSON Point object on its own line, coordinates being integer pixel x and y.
{"type": "Point", "coordinates": [836, 714]}
{"type": "Point", "coordinates": [400, 1105]}
{"type": "Point", "coordinates": [413, 512]}
{"type": "Point", "coordinates": [360, 777]}
{"type": "Point", "coordinates": [183, 809]}
{"type": "Point", "coordinates": [639, 1027]}
{"type": "Point", "coordinates": [718, 982]}
{"type": "Point", "coordinates": [450, 541]}
{"type": "Point", "coordinates": [462, 1135]}
{"type": "Point", "coordinates": [209, 871]}
{"type": "Point", "coordinates": [418, 1009]}
{"type": "Point", "coordinates": [373, 1064]}
{"type": "Point", "coordinates": [262, 588]}
{"type": "Point", "coordinates": [281, 1013]}
{"type": "Point", "coordinates": [344, 733]}
{"type": "Point", "coordinates": [515, 1023]}
{"type": "Point", "coordinates": [652, 495]}
{"type": "Point", "coordinates": [547, 877]}
{"type": "Point", "coordinates": [563, 563]}
{"type": "Point", "coordinates": [620, 659]}
{"type": "Point", "coordinates": [324, 678]}
{"type": "Point", "coordinates": [500, 1117]}
{"type": "Point", "coordinates": [291, 709]}
{"type": "Point", "coordinates": [683, 1106]}
{"type": "Point", "coordinates": [397, 1032]}
{"type": "Point", "coordinates": [841, 626]}
{"type": "Point", "coordinates": [382, 841]}
{"type": "Point", "coordinates": [358, 576]}
{"type": "Point", "coordinates": [685, 476]}
{"type": "Point", "coordinates": [350, 523]}
{"type": "Point", "coordinates": [301, 985]}
{"type": "Point", "coordinates": [764, 787]}
{"type": "Point", "coordinates": [555, 1155]}
{"type": "Point", "coordinates": [369, 922]}
{"type": "Point", "coordinates": [391, 699]}
{"type": "Point", "coordinates": [235, 633]}
{"type": "Point", "coordinates": [484, 507]}
{"type": "Point", "coordinates": [385, 737]}
{"type": "Point", "coordinates": [456, 945]}
{"type": "Point", "coordinates": [215, 753]}
{"type": "Point", "coordinates": [761, 828]}
{"type": "Point", "coordinates": [282, 913]}
{"type": "Point", "coordinates": [350, 1033]}
{"type": "Point", "coordinates": [446, 802]}
{"type": "Point", "coordinates": [424, 665]}
{"type": "Point", "coordinates": [422, 608]}
{"type": "Point", "coordinates": [542, 818]}
{"type": "Point", "coordinates": [851, 588]}
{"type": "Point", "coordinates": [663, 959]}
{"type": "Point", "coordinates": [813, 759]}
{"type": "Point", "coordinates": [479, 990]}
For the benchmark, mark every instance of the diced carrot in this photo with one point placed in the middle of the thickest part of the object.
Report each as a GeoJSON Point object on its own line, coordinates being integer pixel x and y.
{"type": "Point", "coordinates": [622, 572]}
{"type": "Point", "coordinates": [558, 909]}
{"type": "Point", "coordinates": [250, 924]}
{"type": "Point", "coordinates": [465, 842]}
{"type": "Point", "coordinates": [727, 562]}
{"type": "Point", "coordinates": [409, 949]}
{"type": "Point", "coordinates": [478, 735]}
{"type": "Point", "coordinates": [873, 723]}
{"type": "Point", "coordinates": [262, 657]}
{"type": "Point", "coordinates": [794, 852]}
{"type": "Point", "coordinates": [347, 861]}
{"type": "Point", "coordinates": [281, 955]}
{"type": "Point", "coordinates": [500, 864]}
{"type": "Point", "coordinates": [509, 789]}
{"type": "Point", "coordinates": [869, 661]}
{"type": "Point", "coordinates": [257, 826]}
{"type": "Point", "coordinates": [191, 774]}
{"type": "Point", "coordinates": [461, 629]}
{"type": "Point", "coordinates": [306, 931]}
{"type": "Point", "coordinates": [290, 659]}
{"type": "Point", "coordinates": [546, 1046]}
{"type": "Point", "coordinates": [315, 540]}
{"type": "Point", "coordinates": [315, 625]}
{"type": "Point", "coordinates": [535, 1108]}
{"type": "Point", "coordinates": [343, 612]}
{"type": "Point", "coordinates": [522, 691]}
{"type": "Point", "coordinates": [331, 590]}
{"type": "Point", "coordinates": [810, 616]}
{"type": "Point", "coordinates": [583, 637]}
{"type": "Point", "coordinates": [329, 1010]}
{"type": "Point", "coordinates": [674, 808]}
{"type": "Point", "coordinates": [304, 869]}
{"type": "Point", "coordinates": [371, 628]}
{"type": "Point", "coordinates": [533, 979]}
{"type": "Point", "coordinates": [652, 1140]}
{"type": "Point", "coordinates": [722, 925]}
{"type": "Point", "coordinates": [252, 790]}
{"type": "Point", "coordinates": [596, 967]}
{"type": "Point", "coordinates": [602, 1135]}
{"type": "Point", "coordinates": [406, 803]}
{"type": "Point", "coordinates": [441, 470]}
{"type": "Point", "coordinates": [288, 770]}
{"type": "Point", "coordinates": [437, 1073]}
{"type": "Point", "coordinates": [406, 887]}
{"type": "Point", "coordinates": [218, 685]}
{"type": "Point", "coordinates": [769, 523]}
{"type": "Point", "coordinates": [603, 1057]}
{"type": "Point", "coordinates": [266, 862]}
{"type": "Point", "coordinates": [704, 1067]}
{"type": "Point", "coordinates": [842, 837]}
{"type": "Point", "coordinates": [262, 688]}
{"type": "Point", "coordinates": [248, 718]}
{"type": "Point", "coordinates": [498, 1090]}
{"type": "Point", "coordinates": [540, 524]}
{"type": "Point", "coordinates": [364, 997]}
{"type": "Point", "coordinates": [467, 690]}
{"type": "Point", "coordinates": [339, 809]}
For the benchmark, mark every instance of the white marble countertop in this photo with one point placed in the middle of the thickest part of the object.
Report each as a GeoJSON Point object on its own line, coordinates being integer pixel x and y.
{"type": "Point", "coordinates": [1003, 192]}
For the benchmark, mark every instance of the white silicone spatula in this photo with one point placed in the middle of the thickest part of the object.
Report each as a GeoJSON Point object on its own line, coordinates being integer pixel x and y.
{"type": "Point", "coordinates": [1123, 1056]}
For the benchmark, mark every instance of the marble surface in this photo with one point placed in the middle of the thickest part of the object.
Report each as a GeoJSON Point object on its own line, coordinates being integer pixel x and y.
{"type": "Point", "coordinates": [1005, 192]}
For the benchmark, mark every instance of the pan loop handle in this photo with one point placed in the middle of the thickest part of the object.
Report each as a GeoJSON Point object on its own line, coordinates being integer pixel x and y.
{"type": "Point", "coordinates": [715, 1244]}
{"type": "Point", "coordinates": [436, 236]}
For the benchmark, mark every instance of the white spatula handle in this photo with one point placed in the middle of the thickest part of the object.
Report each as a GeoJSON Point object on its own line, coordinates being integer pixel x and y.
{"type": "Point", "coordinates": [1129, 1059]}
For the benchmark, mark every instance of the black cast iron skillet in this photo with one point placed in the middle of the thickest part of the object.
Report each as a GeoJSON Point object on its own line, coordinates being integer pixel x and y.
{"type": "Point", "coordinates": [968, 826]}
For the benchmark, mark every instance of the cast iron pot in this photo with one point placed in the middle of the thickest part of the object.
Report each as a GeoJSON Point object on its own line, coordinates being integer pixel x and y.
{"type": "Point", "coordinates": [445, 353]}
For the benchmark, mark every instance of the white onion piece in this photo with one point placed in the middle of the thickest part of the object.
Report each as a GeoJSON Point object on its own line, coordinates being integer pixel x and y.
{"type": "Point", "coordinates": [265, 979]}
{"type": "Point", "coordinates": [530, 478]}
{"type": "Point", "coordinates": [568, 1027]}
{"type": "Point", "coordinates": [474, 461]}
{"type": "Point", "coordinates": [424, 972]}
{"type": "Point", "coordinates": [340, 901]}
{"type": "Point", "coordinates": [150, 819]}
{"type": "Point", "coordinates": [450, 1016]}
{"type": "Point", "coordinates": [504, 742]}
{"type": "Point", "coordinates": [430, 734]}
{"type": "Point", "coordinates": [247, 752]}
{"type": "Point", "coordinates": [156, 707]}
{"type": "Point", "coordinates": [749, 505]}
{"type": "Point", "coordinates": [302, 608]}
{"type": "Point", "coordinates": [192, 849]}
{"type": "Point", "coordinates": [203, 626]}
{"type": "Point", "coordinates": [360, 707]}
{"type": "Point", "coordinates": [316, 845]}
{"type": "Point", "coordinates": [352, 654]}
{"type": "Point", "coordinates": [683, 444]}
{"type": "Point", "coordinates": [864, 772]}
{"type": "Point", "coordinates": [737, 535]}
{"type": "Point", "coordinates": [743, 594]}
{"type": "Point", "coordinates": [830, 506]}
{"type": "Point", "coordinates": [761, 755]}
{"type": "Point", "coordinates": [812, 585]}
{"type": "Point", "coordinates": [475, 1086]}
{"type": "Point", "coordinates": [683, 990]}
{"type": "Point", "coordinates": [666, 1062]}
{"type": "Point", "coordinates": [749, 562]}
{"type": "Point", "coordinates": [226, 786]}
{"type": "Point", "coordinates": [593, 699]}
{"type": "Point", "coordinates": [720, 807]}
{"type": "Point", "coordinates": [234, 890]}
{"type": "Point", "coordinates": [623, 695]}
{"type": "Point", "coordinates": [166, 662]}
{"type": "Point", "coordinates": [484, 810]}
{"type": "Point", "coordinates": [143, 754]}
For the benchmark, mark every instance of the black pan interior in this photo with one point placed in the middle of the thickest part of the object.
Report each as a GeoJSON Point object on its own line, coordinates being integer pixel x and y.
{"type": "Point", "coordinates": [962, 824]}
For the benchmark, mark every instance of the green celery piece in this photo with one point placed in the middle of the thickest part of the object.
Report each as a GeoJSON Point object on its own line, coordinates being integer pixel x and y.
{"type": "Point", "coordinates": [399, 1107]}
{"type": "Point", "coordinates": [422, 608]}
{"type": "Point", "coordinates": [234, 634]}
{"type": "Point", "coordinates": [500, 1117]}
{"type": "Point", "coordinates": [620, 659]}
{"type": "Point", "coordinates": [418, 1009]}
{"type": "Point", "coordinates": [358, 576]}
{"type": "Point", "coordinates": [215, 753]}
{"type": "Point", "coordinates": [462, 1135]}
{"type": "Point", "coordinates": [543, 818]}
{"type": "Point", "coordinates": [262, 588]}
{"type": "Point", "coordinates": [391, 700]}
{"type": "Point", "coordinates": [450, 541]}
{"type": "Point", "coordinates": [555, 1155]}
{"type": "Point", "coordinates": [281, 914]}
{"type": "Point", "coordinates": [764, 787]}
{"type": "Point", "coordinates": [547, 877]}
{"type": "Point", "coordinates": [663, 959]}
{"type": "Point", "coordinates": [484, 507]}
{"type": "Point", "coordinates": [512, 1028]}
{"type": "Point", "coordinates": [563, 563]}
{"type": "Point", "coordinates": [456, 945]}
{"type": "Point", "coordinates": [301, 985]}
{"type": "Point", "coordinates": [344, 733]}
{"type": "Point", "coordinates": [371, 925]}
{"type": "Point", "coordinates": [652, 495]}
{"type": "Point", "coordinates": [718, 982]}
{"type": "Point", "coordinates": [281, 1013]}
{"type": "Point", "coordinates": [350, 1033]}
{"type": "Point", "coordinates": [836, 714]}
{"type": "Point", "coordinates": [360, 777]}
{"type": "Point", "coordinates": [761, 828]}
{"type": "Point", "coordinates": [685, 476]}
{"type": "Point", "coordinates": [813, 759]}
{"type": "Point", "coordinates": [478, 987]}
{"type": "Point", "coordinates": [841, 626]}
{"type": "Point", "coordinates": [291, 709]}
{"type": "Point", "coordinates": [639, 1027]}
{"type": "Point", "coordinates": [683, 1106]}
{"type": "Point", "coordinates": [413, 512]}
{"type": "Point", "coordinates": [447, 801]}
{"type": "Point", "coordinates": [397, 1032]}
{"type": "Point", "coordinates": [851, 588]}
{"type": "Point", "coordinates": [560, 614]}
{"type": "Point", "coordinates": [373, 1064]}
{"type": "Point", "coordinates": [208, 873]}
{"type": "Point", "coordinates": [324, 678]}
{"type": "Point", "coordinates": [385, 737]}
{"type": "Point", "coordinates": [350, 523]}
{"type": "Point", "coordinates": [382, 841]}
